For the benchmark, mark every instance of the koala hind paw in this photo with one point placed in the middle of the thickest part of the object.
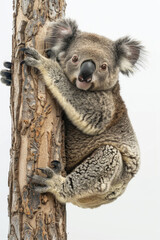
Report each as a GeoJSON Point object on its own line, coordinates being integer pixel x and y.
{"type": "Point", "coordinates": [47, 183]}
{"type": "Point", "coordinates": [39, 183]}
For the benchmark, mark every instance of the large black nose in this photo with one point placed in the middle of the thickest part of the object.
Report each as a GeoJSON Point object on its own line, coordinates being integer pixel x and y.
{"type": "Point", "coordinates": [86, 71]}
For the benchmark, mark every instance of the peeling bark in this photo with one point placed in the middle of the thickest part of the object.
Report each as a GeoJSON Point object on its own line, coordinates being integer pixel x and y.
{"type": "Point", "coordinates": [37, 129]}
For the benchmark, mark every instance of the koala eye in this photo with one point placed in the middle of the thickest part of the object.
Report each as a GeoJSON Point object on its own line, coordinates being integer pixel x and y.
{"type": "Point", "coordinates": [75, 59]}
{"type": "Point", "coordinates": [103, 67]}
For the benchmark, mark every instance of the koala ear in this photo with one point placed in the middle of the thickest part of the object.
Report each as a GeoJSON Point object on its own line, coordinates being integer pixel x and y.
{"type": "Point", "coordinates": [127, 53]}
{"type": "Point", "coordinates": [60, 35]}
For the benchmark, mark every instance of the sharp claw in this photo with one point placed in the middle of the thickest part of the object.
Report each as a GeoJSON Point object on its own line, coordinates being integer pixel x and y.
{"type": "Point", "coordinates": [47, 171]}
{"type": "Point", "coordinates": [6, 73]}
{"type": "Point", "coordinates": [56, 165]}
{"type": "Point", "coordinates": [7, 65]}
{"type": "Point", "coordinates": [22, 49]}
{"type": "Point", "coordinates": [22, 62]}
{"type": "Point", "coordinates": [50, 53]}
{"type": "Point", "coordinates": [6, 81]}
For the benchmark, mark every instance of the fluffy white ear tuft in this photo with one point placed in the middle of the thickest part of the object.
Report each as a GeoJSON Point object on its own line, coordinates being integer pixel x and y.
{"type": "Point", "coordinates": [60, 35]}
{"type": "Point", "coordinates": [125, 65]}
{"type": "Point", "coordinates": [127, 54]}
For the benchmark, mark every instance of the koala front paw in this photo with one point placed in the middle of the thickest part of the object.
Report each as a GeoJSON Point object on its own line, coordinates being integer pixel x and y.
{"type": "Point", "coordinates": [33, 59]}
{"type": "Point", "coordinates": [6, 77]}
{"type": "Point", "coordinates": [51, 183]}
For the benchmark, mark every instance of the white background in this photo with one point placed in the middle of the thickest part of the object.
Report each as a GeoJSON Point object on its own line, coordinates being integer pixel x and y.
{"type": "Point", "coordinates": [136, 214]}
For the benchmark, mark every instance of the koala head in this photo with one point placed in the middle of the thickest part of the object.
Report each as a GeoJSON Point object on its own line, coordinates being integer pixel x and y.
{"type": "Point", "coordinates": [91, 62]}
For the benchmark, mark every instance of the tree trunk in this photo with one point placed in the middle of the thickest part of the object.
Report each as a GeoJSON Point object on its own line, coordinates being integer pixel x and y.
{"type": "Point", "coordinates": [37, 128]}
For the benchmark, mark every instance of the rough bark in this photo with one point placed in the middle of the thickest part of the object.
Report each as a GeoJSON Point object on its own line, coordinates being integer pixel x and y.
{"type": "Point", "coordinates": [37, 128]}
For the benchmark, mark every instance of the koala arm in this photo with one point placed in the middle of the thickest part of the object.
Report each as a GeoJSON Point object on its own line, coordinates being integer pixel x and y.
{"type": "Point", "coordinates": [77, 104]}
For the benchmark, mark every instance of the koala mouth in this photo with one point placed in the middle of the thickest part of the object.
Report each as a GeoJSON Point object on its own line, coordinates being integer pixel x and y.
{"type": "Point", "coordinates": [84, 85]}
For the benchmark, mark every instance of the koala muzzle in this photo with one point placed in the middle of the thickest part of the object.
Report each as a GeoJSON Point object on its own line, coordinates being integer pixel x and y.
{"type": "Point", "coordinates": [86, 71]}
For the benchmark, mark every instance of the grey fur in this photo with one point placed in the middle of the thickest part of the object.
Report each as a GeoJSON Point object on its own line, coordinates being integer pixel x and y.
{"type": "Point", "coordinates": [102, 152]}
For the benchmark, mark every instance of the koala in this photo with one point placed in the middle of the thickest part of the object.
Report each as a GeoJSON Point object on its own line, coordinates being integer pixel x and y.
{"type": "Point", "coordinates": [81, 71]}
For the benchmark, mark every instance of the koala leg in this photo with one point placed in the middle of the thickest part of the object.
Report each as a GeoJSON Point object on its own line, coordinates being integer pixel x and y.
{"type": "Point", "coordinates": [6, 77]}
{"type": "Point", "coordinates": [93, 177]}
